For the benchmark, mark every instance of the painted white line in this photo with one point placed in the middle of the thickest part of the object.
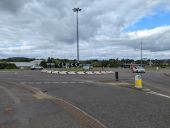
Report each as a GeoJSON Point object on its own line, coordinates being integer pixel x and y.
{"type": "Point", "coordinates": [158, 94]}
{"type": "Point", "coordinates": [72, 82]}
{"type": "Point", "coordinates": [146, 89]}
{"type": "Point", "coordinates": [64, 82]}
{"type": "Point", "coordinates": [55, 82]}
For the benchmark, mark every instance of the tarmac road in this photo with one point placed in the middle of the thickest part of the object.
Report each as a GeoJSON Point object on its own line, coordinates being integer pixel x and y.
{"type": "Point", "coordinates": [112, 105]}
{"type": "Point", "coordinates": [155, 80]}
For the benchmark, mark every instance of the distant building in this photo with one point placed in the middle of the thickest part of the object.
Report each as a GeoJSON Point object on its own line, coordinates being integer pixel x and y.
{"type": "Point", "coordinates": [24, 65]}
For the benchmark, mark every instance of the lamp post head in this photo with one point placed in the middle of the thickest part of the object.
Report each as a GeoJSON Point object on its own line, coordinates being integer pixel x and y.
{"type": "Point", "coordinates": [76, 9]}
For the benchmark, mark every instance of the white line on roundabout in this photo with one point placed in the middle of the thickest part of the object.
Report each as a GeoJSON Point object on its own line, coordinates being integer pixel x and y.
{"type": "Point", "coordinates": [158, 94]}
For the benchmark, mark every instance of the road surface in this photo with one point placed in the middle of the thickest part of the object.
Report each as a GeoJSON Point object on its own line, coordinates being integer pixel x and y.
{"type": "Point", "coordinates": [32, 99]}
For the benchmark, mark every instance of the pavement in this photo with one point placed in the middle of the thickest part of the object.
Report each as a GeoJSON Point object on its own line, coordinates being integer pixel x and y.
{"type": "Point", "coordinates": [34, 99]}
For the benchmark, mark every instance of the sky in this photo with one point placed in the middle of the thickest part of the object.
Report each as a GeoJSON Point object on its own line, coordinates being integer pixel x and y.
{"type": "Point", "coordinates": [107, 29]}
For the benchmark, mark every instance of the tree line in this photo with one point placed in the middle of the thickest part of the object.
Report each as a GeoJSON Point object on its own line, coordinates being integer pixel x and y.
{"type": "Point", "coordinates": [105, 63]}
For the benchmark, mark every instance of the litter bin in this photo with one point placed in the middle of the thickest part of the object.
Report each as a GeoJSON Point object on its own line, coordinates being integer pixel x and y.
{"type": "Point", "coordinates": [138, 81]}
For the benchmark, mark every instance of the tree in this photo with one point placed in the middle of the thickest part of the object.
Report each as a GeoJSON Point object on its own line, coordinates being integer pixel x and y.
{"type": "Point", "coordinates": [43, 64]}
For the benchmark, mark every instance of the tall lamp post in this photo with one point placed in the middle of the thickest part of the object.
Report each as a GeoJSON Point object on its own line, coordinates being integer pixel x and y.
{"type": "Point", "coordinates": [141, 53]}
{"type": "Point", "coordinates": [77, 10]}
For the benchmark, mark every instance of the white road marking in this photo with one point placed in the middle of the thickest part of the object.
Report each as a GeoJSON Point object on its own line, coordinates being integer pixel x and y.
{"type": "Point", "coordinates": [64, 82]}
{"type": "Point", "coordinates": [47, 82]}
{"type": "Point", "coordinates": [146, 89]}
{"type": "Point", "coordinates": [158, 94]}
{"type": "Point", "coordinates": [72, 82]}
{"type": "Point", "coordinates": [55, 82]}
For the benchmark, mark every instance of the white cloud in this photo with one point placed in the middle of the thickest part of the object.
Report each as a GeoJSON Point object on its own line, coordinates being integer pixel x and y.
{"type": "Point", "coordinates": [148, 32]}
{"type": "Point", "coordinates": [42, 28]}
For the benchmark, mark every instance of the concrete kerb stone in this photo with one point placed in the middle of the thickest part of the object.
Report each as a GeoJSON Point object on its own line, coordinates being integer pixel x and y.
{"type": "Point", "coordinates": [72, 72]}
{"type": "Point", "coordinates": [79, 114]}
{"type": "Point", "coordinates": [49, 72]}
{"type": "Point", "coordinates": [43, 71]}
{"type": "Point", "coordinates": [55, 72]}
{"type": "Point", "coordinates": [80, 72]}
{"type": "Point", "coordinates": [97, 72]}
{"type": "Point", "coordinates": [77, 72]}
{"type": "Point", "coordinates": [109, 72]}
{"type": "Point", "coordinates": [103, 72]}
{"type": "Point", "coordinates": [63, 72]}
{"type": "Point", "coordinates": [88, 72]}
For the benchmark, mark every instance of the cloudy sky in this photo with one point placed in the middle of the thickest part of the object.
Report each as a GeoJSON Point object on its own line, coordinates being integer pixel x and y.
{"type": "Point", "coordinates": [107, 28]}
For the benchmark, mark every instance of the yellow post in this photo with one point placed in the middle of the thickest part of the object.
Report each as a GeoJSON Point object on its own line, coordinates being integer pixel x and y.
{"type": "Point", "coordinates": [138, 81]}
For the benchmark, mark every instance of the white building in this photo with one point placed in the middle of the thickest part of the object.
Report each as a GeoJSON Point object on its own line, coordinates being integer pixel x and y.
{"type": "Point", "coordinates": [23, 65]}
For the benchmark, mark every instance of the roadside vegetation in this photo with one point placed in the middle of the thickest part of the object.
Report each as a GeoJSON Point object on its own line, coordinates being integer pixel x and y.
{"type": "Point", "coordinates": [5, 65]}
{"type": "Point", "coordinates": [95, 64]}
{"type": "Point", "coordinates": [112, 63]}
{"type": "Point", "coordinates": [17, 59]}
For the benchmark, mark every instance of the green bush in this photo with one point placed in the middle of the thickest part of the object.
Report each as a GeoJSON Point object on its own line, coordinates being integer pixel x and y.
{"type": "Point", "coordinates": [4, 65]}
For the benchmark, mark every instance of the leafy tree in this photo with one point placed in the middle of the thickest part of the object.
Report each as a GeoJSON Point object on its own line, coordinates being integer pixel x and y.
{"type": "Point", "coordinates": [43, 64]}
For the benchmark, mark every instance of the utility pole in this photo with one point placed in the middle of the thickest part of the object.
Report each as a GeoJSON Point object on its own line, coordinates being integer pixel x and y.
{"type": "Point", "coordinates": [141, 52]}
{"type": "Point", "coordinates": [77, 10]}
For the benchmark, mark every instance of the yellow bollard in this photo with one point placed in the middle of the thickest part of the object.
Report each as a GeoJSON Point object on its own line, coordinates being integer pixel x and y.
{"type": "Point", "coordinates": [138, 81]}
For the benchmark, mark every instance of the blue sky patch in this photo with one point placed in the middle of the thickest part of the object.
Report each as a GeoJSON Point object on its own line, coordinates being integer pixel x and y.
{"type": "Point", "coordinates": [161, 18]}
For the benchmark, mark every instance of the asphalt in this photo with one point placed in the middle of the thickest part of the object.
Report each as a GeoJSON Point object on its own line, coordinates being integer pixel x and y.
{"type": "Point", "coordinates": [97, 95]}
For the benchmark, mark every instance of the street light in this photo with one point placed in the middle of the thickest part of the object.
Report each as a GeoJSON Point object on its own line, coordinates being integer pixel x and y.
{"type": "Point", "coordinates": [77, 10]}
{"type": "Point", "coordinates": [141, 53]}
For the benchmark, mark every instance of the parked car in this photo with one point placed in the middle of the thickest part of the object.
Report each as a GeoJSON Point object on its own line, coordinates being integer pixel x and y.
{"type": "Point", "coordinates": [138, 69]}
